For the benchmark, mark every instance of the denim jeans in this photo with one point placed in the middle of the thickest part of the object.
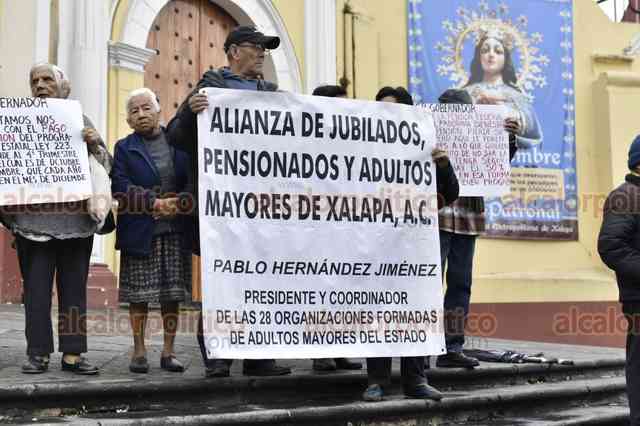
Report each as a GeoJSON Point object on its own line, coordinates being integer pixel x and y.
{"type": "Point", "coordinates": [456, 251]}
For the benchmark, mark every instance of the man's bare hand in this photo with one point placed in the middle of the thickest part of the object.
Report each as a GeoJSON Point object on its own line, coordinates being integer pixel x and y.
{"type": "Point", "coordinates": [440, 157]}
{"type": "Point", "coordinates": [512, 126]}
{"type": "Point", "coordinates": [198, 103]}
{"type": "Point", "coordinates": [90, 136]}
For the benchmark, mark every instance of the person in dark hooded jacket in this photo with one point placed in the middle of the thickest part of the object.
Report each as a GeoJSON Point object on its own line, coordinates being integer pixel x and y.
{"type": "Point", "coordinates": [619, 248]}
{"type": "Point", "coordinates": [245, 48]}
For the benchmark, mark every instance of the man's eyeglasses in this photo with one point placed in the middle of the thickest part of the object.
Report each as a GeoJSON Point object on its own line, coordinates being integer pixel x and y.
{"type": "Point", "coordinates": [255, 46]}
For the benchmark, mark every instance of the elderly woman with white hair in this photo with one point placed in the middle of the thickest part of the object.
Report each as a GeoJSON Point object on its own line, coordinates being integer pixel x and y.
{"type": "Point", "coordinates": [148, 173]}
{"type": "Point", "coordinates": [55, 240]}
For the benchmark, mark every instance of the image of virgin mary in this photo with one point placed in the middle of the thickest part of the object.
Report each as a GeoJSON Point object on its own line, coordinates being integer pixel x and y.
{"type": "Point", "coordinates": [493, 81]}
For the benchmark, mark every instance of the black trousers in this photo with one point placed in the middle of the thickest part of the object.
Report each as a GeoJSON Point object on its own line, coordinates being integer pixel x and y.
{"type": "Point", "coordinates": [68, 260]}
{"type": "Point", "coordinates": [632, 368]}
{"type": "Point", "coordinates": [411, 369]}
{"type": "Point", "coordinates": [248, 363]}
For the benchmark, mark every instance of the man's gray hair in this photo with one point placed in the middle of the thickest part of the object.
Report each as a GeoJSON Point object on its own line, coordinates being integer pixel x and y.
{"type": "Point", "coordinates": [58, 76]}
{"type": "Point", "coordinates": [145, 91]}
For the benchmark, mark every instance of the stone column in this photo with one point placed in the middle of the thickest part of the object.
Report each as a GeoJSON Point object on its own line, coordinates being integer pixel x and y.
{"type": "Point", "coordinates": [84, 31]}
{"type": "Point", "coordinates": [82, 52]}
{"type": "Point", "coordinates": [319, 43]}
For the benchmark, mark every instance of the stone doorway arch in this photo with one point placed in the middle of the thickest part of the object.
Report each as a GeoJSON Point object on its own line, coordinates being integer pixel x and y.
{"type": "Point", "coordinates": [282, 66]}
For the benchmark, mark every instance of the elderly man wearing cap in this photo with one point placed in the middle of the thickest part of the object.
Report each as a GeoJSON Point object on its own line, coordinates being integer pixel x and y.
{"type": "Point", "coordinates": [619, 248]}
{"type": "Point", "coordinates": [246, 49]}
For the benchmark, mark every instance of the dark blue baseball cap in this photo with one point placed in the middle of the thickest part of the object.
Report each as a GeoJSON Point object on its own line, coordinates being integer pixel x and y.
{"type": "Point", "coordinates": [245, 33]}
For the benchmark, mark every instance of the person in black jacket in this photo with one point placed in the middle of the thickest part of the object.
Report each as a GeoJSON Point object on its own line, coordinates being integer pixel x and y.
{"type": "Point", "coordinates": [414, 380]}
{"type": "Point", "coordinates": [619, 248]}
{"type": "Point", "coordinates": [245, 48]}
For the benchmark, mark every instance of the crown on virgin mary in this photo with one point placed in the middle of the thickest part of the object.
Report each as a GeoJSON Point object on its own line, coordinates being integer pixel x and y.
{"type": "Point", "coordinates": [495, 32]}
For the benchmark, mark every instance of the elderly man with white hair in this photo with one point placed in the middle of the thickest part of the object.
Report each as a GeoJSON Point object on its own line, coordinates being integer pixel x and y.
{"type": "Point", "coordinates": [148, 173]}
{"type": "Point", "coordinates": [56, 240]}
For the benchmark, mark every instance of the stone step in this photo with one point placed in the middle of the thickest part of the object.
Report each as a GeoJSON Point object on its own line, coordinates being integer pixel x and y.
{"type": "Point", "coordinates": [486, 376]}
{"type": "Point", "coordinates": [102, 288]}
{"type": "Point", "coordinates": [569, 402]}
{"type": "Point", "coordinates": [493, 374]}
{"type": "Point", "coordinates": [99, 297]}
{"type": "Point", "coordinates": [603, 415]}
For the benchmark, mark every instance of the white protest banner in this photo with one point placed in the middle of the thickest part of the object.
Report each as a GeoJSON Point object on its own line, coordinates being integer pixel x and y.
{"type": "Point", "coordinates": [43, 158]}
{"type": "Point", "coordinates": [478, 146]}
{"type": "Point", "coordinates": [318, 228]}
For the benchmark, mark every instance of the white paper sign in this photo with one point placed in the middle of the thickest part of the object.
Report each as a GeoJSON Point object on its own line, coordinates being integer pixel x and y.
{"type": "Point", "coordinates": [478, 146]}
{"type": "Point", "coordinates": [42, 156]}
{"type": "Point", "coordinates": [318, 228]}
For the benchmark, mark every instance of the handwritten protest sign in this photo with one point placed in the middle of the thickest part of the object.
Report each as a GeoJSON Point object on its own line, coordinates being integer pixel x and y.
{"type": "Point", "coordinates": [478, 146]}
{"type": "Point", "coordinates": [318, 228]}
{"type": "Point", "coordinates": [42, 156]}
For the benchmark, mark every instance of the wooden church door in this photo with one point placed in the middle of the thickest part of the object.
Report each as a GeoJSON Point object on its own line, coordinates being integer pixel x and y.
{"type": "Point", "coordinates": [189, 37]}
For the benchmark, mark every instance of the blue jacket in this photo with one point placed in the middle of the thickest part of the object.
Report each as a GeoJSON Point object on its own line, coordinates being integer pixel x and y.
{"type": "Point", "coordinates": [134, 181]}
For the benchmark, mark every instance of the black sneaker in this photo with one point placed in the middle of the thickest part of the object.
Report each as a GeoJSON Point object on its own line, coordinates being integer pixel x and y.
{"type": "Point", "coordinates": [423, 391]}
{"type": "Point", "coordinates": [217, 368]}
{"type": "Point", "coordinates": [347, 364]}
{"type": "Point", "coordinates": [80, 367]}
{"type": "Point", "coordinates": [264, 368]}
{"type": "Point", "coordinates": [35, 365]}
{"type": "Point", "coordinates": [324, 364]}
{"type": "Point", "coordinates": [456, 360]}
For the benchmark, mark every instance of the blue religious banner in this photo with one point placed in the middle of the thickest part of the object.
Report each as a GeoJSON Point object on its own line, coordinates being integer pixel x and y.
{"type": "Point", "coordinates": [518, 54]}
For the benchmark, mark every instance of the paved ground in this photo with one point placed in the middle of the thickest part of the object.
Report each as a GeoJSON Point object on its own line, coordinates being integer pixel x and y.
{"type": "Point", "coordinates": [110, 345]}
